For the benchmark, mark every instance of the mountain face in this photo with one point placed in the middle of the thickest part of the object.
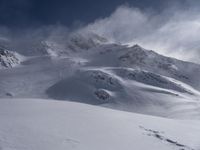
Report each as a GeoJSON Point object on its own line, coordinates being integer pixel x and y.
{"type": "Point", "coordinates": [75, 43]}
{"type": "Point", "coordinates": [56, 78]}
{"type": "Point", "coordinates": [151, 61]}
{"type": "Point", "coordinates": [8, 59]}
{"type": "Point", "coordinates": [89, 69]}
{"type": "Point", "coordinates": [137, 57]}
{"type": "Point", "coordinates": [72, 44]}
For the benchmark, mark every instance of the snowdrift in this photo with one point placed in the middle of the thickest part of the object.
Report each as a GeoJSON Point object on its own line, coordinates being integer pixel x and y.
{"type": "Point", "coordinates": [48, 125]}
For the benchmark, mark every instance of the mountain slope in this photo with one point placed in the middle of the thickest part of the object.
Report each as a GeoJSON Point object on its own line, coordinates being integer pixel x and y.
{"type": "Point", "coordinates": [139, 58]}
{"type": "Point", "coordinates": [130, 90]}
{"type": "Point", "coordinates": [116, 76]}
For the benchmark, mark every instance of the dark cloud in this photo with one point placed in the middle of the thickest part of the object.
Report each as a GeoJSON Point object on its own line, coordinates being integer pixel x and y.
{"type": "Point", "coordinates": [18, 13]}
{"type": "Point", "coordinates": [14, 12]}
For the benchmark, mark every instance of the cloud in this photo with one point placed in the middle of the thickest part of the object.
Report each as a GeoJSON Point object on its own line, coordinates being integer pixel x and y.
{"type": "Point", "coordinates": [174, 32]}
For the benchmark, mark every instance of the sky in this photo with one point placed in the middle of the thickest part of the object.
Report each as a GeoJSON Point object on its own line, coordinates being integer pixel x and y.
{"type": "Point", "coordinates": [170, 27]}
{"type": "Point", "coordinates": [24, 13]}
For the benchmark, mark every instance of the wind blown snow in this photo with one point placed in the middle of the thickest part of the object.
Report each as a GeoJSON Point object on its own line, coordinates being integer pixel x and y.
{"type": "Point", "coordinates": [174, 32]}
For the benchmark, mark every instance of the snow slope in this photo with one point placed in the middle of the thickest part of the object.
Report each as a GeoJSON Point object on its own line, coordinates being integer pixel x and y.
{"type": "Point", "coordinates": [139, 58]}
{"type": "Point", "coordinates": [29, 124]}
{"type": "Point", "coordinates": [130, 90]}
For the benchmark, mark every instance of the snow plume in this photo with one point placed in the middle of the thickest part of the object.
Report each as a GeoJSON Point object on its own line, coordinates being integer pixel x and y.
{"type": "Point", "coordinates": [174, 32]}
{"type": "Point", "coordinates": [29, 40]}
{"type": "Point", "coordinates": [56, 38]}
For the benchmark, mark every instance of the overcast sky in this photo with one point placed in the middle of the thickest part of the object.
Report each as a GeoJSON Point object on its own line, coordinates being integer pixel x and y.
{"type": "Point", "coordinates": [17, 13]}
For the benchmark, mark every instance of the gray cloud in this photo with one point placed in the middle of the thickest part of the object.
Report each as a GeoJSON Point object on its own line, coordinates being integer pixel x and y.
{"type": "Point", "coordinates": [174, 32]}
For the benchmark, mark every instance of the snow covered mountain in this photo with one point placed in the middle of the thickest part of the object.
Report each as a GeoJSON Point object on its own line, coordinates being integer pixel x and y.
{"type": "Point", "coordinates": [138, 57]}
{"type": "Point", "coordinates": [88, 69]}
{"type": "Point", "coordinates": [9, 59]}
{"type": "Point", "coordinates": [75, 42]}
{"type": "Point", "coordinates": [111, 75]}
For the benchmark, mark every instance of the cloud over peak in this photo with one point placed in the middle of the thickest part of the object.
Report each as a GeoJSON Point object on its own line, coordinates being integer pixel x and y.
{"type": "Point", "coordinates": [174, 32]}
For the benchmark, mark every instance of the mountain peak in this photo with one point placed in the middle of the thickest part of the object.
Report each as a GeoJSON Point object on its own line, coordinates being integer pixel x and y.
{"type": "Point", "coordinates": [136, 46]}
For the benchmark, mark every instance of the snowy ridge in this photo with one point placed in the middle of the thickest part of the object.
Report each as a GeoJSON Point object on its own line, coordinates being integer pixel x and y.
{"type": "Point", "coordinates": [72, 44]}
{"type": "Point", "coordinates": [150, 78]}
{"type": "Point", "coordinates": [78, 42]}
{"type": "Point", "coordinates": [153, 62]}
{"type": "Point", "coordinates": [137, 57]}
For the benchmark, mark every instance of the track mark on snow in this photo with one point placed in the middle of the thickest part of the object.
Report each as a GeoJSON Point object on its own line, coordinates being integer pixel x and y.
{"type": "Point", "coordinates": [158, 135]}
